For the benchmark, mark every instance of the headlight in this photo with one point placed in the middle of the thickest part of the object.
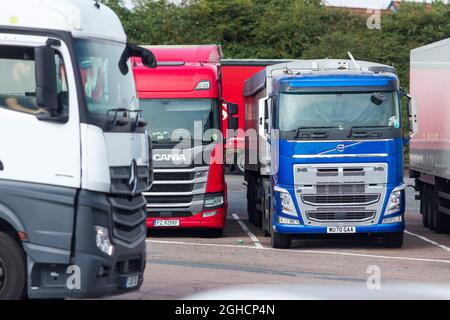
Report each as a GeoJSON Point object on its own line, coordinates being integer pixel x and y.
{"type": "Point", "coordinates": [287, 205]}
{"type": "Point", "coordinates": [395, 200]}
{"type": "Point", "coordinates": [102, 240]}
{"type": "Point", "coordinates": [214, 201]}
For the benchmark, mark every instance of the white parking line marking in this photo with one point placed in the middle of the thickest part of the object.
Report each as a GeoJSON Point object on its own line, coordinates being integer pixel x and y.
{"type": "Point", "coordinates": [299, 251]}
{"type": "Point", "coordinates": [246, 230]}
{"type": "Point", "coordinates": [428, 240]}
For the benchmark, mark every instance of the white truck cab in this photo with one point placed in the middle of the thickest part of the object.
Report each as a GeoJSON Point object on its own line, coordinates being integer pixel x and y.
{"type": "Point", "coordinates": [74, 154]}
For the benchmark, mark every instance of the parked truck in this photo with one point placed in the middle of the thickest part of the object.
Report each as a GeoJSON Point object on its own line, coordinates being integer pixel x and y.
{"type": "Point", "coordinates": [74, 155]}
{"type": "Point", "coordinates": [430, 146]}
{"type": "Point", "coordinates": [324, 150]}
{"type": "Point", "coordinates": [234, 74]}
{"type": "Point", "coordinates": [183, 95]}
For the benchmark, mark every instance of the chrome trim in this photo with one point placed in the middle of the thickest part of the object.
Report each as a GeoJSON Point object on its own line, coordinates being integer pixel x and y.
{"type": "Point", "coordinates": [171, 205]}
{"type": "Point", "coordinates": [175, 205]}
{"type": "Point", "coordinates": [197, 180]}
{"type": "Point", "coordinates": [190, 193]}
{"type": "Point", "coordinates": [196, 169]}
{"type": "Point", "coordinates": [327, 156]}
{"type": "Point", "coordinates": [339, 141]}
{"type": "Point", "coordinates": [401, 187]}
{"type": "Point", "coordinates": [334, 204]}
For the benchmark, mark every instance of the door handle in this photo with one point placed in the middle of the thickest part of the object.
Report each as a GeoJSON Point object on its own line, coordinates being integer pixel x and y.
{"type": "Point", "coordinates": [1, 166]}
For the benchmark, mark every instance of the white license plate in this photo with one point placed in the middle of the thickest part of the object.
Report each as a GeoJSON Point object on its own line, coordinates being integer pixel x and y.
{"type": "Point", "coordinates": [166, 223]}
{"type": "Point", "coordinates": [132, 282]}
{"type": "Point", "coordinates": [341, 229]}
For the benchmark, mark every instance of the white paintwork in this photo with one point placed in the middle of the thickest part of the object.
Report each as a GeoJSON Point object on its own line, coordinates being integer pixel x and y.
{"type": "Point", "coordinates": [80, 17]}
{"type": "Point", "coordinates": [72, 154]}
{"type": "Point", "coordinates": [100, 151]}
{"type": "Point", "coordinates": [27, 145]}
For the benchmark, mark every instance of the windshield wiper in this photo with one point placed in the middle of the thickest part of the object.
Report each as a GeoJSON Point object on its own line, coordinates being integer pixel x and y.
{"type": "Point", "coordinates": [350, 133]}
{"type": "Point", "coordinates": [311, 128]}
{"type": "Point", "coordinates": [137, 123]}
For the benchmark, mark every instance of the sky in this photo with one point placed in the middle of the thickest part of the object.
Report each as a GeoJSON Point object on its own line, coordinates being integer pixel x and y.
{"type": "Point", "coordinates": [344, 3]}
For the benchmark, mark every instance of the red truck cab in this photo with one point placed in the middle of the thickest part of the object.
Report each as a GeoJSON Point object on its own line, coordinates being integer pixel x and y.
{"type": "Point", "coordinates": [181, 102]}
{"type": "Point", "coordinates": [234, 74]}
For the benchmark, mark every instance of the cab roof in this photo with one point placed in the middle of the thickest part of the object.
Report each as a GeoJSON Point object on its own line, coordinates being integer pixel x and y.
{"type": "Point", "coordinates": [187, 54]}
{"type": "Point", "coordinates": [82, 18]}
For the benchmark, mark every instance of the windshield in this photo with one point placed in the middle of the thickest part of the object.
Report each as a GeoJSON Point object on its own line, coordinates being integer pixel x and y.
{"type": "Point", "coordinates": [339, 111]}
{"type": "Point", "coordinates": [105, 87]}
{"type": "Point", "coordinates": [166, 117]}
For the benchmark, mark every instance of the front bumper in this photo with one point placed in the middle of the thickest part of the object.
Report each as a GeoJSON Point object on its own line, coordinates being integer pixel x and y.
{"type": "Point", "coordinates": [83, 271]}
{"type": "Point", "coordinates": [196, 221]}
{"type": "Point", "coordinates": [374, 229]}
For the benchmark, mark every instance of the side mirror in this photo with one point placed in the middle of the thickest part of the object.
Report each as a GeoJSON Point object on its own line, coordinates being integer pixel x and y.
{"type": "Point", "coordinates": [412, 116]}
{"type": "Point", "coordinates": [233, 123]}
{"type": "Point", "coordinates": [233, 109]}
{"type": "Point", "coordinates": [46, 87]}
{"type": "Point", "coordinates": [131, 50]}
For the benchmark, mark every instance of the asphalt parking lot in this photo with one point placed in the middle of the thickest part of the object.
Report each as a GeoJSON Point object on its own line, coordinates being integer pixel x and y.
{"type": "Point", "coordinates": [183, 263]}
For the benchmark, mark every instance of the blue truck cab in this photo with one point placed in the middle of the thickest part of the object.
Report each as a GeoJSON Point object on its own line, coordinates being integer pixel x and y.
{"type": "Point", "coordinates": [329, 153]}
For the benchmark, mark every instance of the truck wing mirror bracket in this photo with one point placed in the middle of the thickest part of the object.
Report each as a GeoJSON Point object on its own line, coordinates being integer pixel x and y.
{"type": "Point", "coordinates": [131, 50]}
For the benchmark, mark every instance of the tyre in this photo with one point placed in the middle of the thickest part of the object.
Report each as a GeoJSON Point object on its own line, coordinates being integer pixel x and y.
{"type": "Point", "coordinates": [440, 220]}
{"type": "Point", "coordinates": [429, 206]}
{"type": "Point", "coordinates": [239, 164]}
{"type": "Point", "coordinates": [281, 241]}
{"type": "Point", "coordinates": [12, 269]}
{"type": "Point", "coordinates": [423, 209]}
{"type": "Point", "coordinates": [393, 240]}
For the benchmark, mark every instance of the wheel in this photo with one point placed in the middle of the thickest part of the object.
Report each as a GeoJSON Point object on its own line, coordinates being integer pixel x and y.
{"type": "Point", "coordinates": [281, 241]}
{"type": "Point", "coordinates": [267, 225]}
{"type": "Point", "coordinates": [12, 269]}
{"type": "Point", "coordinates": [440, 220]}
{"type": "Point", "coordinates": [215, 233]}
{"type": "Point", "coordinates": [423, 208]}
{"type": "Point", "coordinates": [429, 206]}
{"type": "Point", "coordinates": [250, 200]}
{"type": "Point", "coordinates": [239, 163]}
{"type": "Point", "coordinates": [393, 240]}
{"type": "Point", "coordinates": [258, 217]}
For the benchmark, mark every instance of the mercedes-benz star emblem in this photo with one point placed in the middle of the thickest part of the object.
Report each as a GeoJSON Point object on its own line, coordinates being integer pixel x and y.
{"type": "Point", "coordinates": [340, 148]}
{"type": "Point", "coordinates": [133, 179]}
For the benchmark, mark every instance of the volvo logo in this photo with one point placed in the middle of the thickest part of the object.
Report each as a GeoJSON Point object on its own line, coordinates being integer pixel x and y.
{"type": "Point", "coordinates": [133, 177]}
{"type": "Point", "coordinates": [340, 148]}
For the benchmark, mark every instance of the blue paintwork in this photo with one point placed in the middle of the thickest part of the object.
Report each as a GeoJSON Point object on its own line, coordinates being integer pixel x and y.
{"type": "Point", "coordinates": [284, 178]}
{"type": "Point", "coordinates": [334, 80]}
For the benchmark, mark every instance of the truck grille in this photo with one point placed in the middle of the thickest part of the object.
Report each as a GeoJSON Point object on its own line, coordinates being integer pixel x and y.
{"type": "Point", "coordinates": [340, 189]}
{"type": "Point", "coordinates": [341, 199]}
{"type": "Point", "coordinates": [177, 192]}
{"type": "Point", "coordinates": [340, 215]}
{"type": "Point", "coordinates": [120, 177]}
{"type": "Point", "coordinates": [128, 217]}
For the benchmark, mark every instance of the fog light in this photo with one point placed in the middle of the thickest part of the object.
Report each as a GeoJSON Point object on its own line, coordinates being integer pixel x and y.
{"type": "Point", "coordinates": [283, 220]}
{"type": "Point", "coordinates": [395, 219]}
{"type": "Point", "coordinates": [209, 214]}
{"type": "Point", "coordinates": [102, 240]}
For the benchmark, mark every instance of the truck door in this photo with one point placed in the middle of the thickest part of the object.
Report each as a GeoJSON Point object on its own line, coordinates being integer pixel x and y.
{"type": "Point", "coordinates": [39, 158]}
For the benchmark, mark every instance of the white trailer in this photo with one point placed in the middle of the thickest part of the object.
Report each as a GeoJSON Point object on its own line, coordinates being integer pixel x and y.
{"type": "Point", "coordinates": [430, 146]}
{"type": "Point", "coordinates": [74, 154]}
